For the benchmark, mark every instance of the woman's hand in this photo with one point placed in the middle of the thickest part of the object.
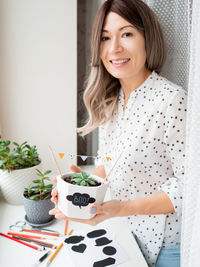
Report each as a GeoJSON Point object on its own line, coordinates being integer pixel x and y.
{"type": "Point", "coordinates": [102, 212]}
{"type": "Point", "coordinates": [54, 193]}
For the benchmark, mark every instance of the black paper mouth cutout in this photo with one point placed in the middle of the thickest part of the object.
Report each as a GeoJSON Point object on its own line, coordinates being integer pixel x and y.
{"type": "Point", "coordinates": [102, 241]}
{"type": "Point", "coordinates": [106, 262]}
{"type": "Point", "coordinates": [96, 233]}
{"type": "Point", "coordinates": [80, 248]}
{"type": "Point", "coordinates": [74, 239]}
{"type": "Point", "coordinates": [80, 200]}
{"type": "Point", "coordinates": [109, 250]}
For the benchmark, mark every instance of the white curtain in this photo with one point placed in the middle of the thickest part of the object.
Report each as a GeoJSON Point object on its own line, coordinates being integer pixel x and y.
{"type": "Point", "coordinates": [191, 205]}
{"type": "Point", "coordinates": [180, 20]}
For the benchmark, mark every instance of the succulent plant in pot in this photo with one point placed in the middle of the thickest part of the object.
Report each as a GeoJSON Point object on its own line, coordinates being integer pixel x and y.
{"type": "Point", "coordinates": [77, 191]}
{"type": "Point", "coordinates": [17, 169]}
{"type": "Point", "coordinates": [37, 199]}
{"type": "Point", "coordinates": [82, 179]}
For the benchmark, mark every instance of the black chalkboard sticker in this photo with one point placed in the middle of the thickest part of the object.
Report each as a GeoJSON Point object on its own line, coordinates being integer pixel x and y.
{"type": "Point", "coordinates": [80, 248]}
{"type": "Point", "coordinates": [106, 262]}
{"type": "Point", "coordinates": [80, 200]}
{"type": "Point", "coordinates": [74, 239]}
{"type": "Point", "coordinates": [96, 233]}
{"type": "Point", "coordinates": [102, 241]}
{"type": "Point", "coordinates": [109, 250]}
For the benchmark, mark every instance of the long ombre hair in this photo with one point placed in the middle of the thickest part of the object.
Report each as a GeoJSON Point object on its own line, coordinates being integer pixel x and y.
{"type": "Point", "coordinates": [102, 89]}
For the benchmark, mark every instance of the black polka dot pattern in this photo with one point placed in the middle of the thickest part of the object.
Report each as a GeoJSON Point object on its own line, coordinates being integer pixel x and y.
{"type": "Point", "coordinates": [151, 134]}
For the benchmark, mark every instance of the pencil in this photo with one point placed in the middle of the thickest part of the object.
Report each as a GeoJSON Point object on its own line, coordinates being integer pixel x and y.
{"type": "Point", "coordinates": [36, 264]}
{"type": "Point", "coordinates": [21, 242]}
{"type": "Point", "coordinates": [29, 236]}
{"type": "Point", "coordinates": [66, 224]}
{"type": "Point", "coordinates": [40, 232]}
{"type": "Point", "coordinates": [54, 254]}
{"type": "Point", "coordinates": [40, 243]}
{"type": "Point", "coordinates": [70, 232]}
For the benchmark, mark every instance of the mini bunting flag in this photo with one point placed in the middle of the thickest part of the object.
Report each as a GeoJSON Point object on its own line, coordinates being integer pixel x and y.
{"type": "Point", "coordinates": [71, 156]}
{"type": "Point", "coordinates": [108, 158]}
{"type": "Point", "coordinates": [83, 158]}
{"type": "Point", "coordinates": [61, 155]}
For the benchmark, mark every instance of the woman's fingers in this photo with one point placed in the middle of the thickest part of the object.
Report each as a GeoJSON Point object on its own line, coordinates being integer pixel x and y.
{"type": "Point", "coordinates": [54, 194]}
{"type": "Point", "coordinates": [55, 180]}
{"type": "Point", "coordinates": [58, 214]}
{"type": "Point", "coordinates": [98, 209]}
{"type": "Point", "coordinates": [75, 168]}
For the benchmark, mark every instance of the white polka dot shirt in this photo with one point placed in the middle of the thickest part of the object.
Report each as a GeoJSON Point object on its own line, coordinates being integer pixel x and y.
{"type": "Point", "coordinates": [151, 134]}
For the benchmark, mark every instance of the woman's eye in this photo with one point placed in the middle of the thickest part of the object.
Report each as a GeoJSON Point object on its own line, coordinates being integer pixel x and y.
{"type": "Point", "coordinates": [104, 38]}
{"type": "Point", "coordinates": [127, 34]}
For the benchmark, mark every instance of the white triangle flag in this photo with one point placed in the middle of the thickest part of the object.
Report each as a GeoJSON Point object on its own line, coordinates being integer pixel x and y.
{"type": "Point", "coordinates": [83, 158]}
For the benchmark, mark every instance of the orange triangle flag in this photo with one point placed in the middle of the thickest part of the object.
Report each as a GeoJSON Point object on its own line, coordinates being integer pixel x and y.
{"type": "Point", "coordinates": [61, 155]}
{"type": "Point", "coordinates": [108, 158]}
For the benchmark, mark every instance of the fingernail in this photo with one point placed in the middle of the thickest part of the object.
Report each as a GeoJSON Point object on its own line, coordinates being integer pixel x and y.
{"type": "Point", "coordinates": [93, 210]}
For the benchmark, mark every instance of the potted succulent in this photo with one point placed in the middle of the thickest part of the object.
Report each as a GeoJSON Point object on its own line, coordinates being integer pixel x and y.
{"type": "Point", "coordinates": [17, 169]}
{"type": "Point", "coordinates": [77, 191]}
{"type": "Point", "coordinates": [37, 200]}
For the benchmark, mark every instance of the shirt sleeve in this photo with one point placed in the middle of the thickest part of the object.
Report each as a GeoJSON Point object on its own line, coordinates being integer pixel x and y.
{"type": "Point", "coordinates": [174, 139]}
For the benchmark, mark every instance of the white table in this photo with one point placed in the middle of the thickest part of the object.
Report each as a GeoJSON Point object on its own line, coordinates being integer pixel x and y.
{"type": "Point", "coordinates": [13, 254]}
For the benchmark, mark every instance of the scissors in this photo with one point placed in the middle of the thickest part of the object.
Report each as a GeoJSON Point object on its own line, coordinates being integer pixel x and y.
{"type": "Point", "coordinates": [22, 226]}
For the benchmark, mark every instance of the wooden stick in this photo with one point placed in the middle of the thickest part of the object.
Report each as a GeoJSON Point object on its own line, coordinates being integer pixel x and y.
{"type": "Point", "coordinates": [113, 166]}
{"type": "Point", "coordinates": [54, 158]}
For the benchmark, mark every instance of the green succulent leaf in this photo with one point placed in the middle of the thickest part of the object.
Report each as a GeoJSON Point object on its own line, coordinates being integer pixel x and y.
{"type": "Point", "coordinates": [84, 183]}
{"type": "Point", "coordinates": [36, 181]}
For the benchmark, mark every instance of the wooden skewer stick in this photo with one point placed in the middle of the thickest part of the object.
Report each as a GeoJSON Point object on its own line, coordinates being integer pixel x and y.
{"type": "Point", "coordinates": [54, 158]}
{"type": "Point", "coordinates": [113, 166]}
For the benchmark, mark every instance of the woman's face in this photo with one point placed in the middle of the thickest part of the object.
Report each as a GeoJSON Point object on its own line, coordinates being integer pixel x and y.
{"type": "Point", "coordinates": [123, 50]}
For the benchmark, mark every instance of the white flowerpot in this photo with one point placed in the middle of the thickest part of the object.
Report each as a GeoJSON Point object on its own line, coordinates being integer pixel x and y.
{"type": "Point", "coordinates": [74, 200]}
{"type": "Point", "coordinates": [12, 183]}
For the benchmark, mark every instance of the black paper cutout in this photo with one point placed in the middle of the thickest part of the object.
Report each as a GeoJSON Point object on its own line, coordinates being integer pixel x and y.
{"type": "Point", "coordinates": [80, 248]}
{"type": "Point", "coordinates": [96, 233]}
{"type": "Point", "coordinates": [74, 239]}
{"type": "Point", "coordinates": [102, 241]}
{"type": "Point", "coordinates": [80, 199]}
{"type": "Point", "coordinates": [106, 262]}
{"type": "Point", "coordinates": [109, 250]}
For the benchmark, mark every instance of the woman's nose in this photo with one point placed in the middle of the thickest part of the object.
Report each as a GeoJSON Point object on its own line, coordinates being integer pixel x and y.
{"type": "Point", "coordinates": [115, 46]}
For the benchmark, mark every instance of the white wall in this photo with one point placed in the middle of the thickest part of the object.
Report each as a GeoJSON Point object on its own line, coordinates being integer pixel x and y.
{"type": "Point", "coordinates": [38, 75]}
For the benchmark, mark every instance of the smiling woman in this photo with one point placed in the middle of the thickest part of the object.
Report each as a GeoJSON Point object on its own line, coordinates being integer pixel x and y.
{"type": "Point", "coordinates": [141, 116]}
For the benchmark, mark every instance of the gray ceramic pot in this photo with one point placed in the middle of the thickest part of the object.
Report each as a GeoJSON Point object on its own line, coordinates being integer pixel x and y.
{"type": "Point", "coordinates": [37, 211]}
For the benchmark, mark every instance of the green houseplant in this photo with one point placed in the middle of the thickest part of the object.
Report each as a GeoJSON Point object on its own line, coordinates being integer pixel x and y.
{"type": "Point", "coordinates": [19, 157]}
{"type": "Point", "coordinates": [82, 179]}
{"type": "Point", "coordinates": [17, 169]}
{"type": "Point", "coordinates": [78, 191]}
{"type": "Point", "coordinates": [37, 200]}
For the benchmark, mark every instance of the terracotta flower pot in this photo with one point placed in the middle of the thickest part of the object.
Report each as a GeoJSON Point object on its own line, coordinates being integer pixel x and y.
{"type": "Point", "coordinates": [74, 200]}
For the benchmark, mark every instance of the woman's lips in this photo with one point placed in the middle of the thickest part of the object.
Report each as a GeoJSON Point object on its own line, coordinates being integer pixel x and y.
{"type": "Point", "coordinates": [119, 62]}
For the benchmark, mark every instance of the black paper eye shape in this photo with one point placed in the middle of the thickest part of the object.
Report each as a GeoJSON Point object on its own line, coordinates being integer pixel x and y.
{"type": "Point", "coordinates": [109, 250]}
{"type": "Point", "coordinates": [96, 233]}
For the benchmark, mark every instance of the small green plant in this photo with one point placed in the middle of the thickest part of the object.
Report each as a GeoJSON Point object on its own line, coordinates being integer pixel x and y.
{"type": "Point", "coordinates": [19, 157]}
{"type": "Point", "coordinates": [83, 179]}
{"type": "Point", "coordinates": [39, 191]}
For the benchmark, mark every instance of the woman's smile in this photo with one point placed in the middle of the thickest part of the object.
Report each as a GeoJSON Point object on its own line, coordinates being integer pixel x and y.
{"type": "Point", "coordinates": [119, 62]}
